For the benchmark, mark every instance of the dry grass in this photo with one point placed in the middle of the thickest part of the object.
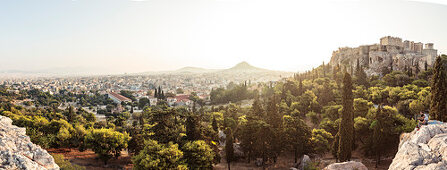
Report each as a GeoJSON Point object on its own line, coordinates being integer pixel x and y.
{"type": "Point", "coordinates": [89, 160]}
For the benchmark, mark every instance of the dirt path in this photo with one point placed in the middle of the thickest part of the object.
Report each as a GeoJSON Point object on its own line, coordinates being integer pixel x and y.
{"type": "Point", "coordinates": [89, 160]}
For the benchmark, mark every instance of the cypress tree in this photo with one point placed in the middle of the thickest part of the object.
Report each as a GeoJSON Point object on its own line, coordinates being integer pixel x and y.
{"type": "Point", "coordinates": [324, 70]}
{"type": "Point", "coordinates": [300, 88]}
{"type": "Point", "coordinates": [417, 70]}
{"type": "Point", "coordinates": [214, 124]}
{"type": "Point", "coordinates": [346, 130]}
{"type": "Point", "coordinates": [360, 75]}
{"type": "Point", "coordinates": [438, 105]}
{"type": "Point", "coordinates": [192, 128]}
{"type": "Point", "coordinates": [229, 150]}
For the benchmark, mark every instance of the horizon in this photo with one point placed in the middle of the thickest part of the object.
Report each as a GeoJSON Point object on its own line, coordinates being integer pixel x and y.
{"type": "Point", "coordinates": [124, 36]}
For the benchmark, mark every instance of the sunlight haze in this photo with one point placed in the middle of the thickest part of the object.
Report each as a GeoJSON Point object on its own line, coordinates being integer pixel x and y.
{"type": "Point", "coordinates": [118, 36]}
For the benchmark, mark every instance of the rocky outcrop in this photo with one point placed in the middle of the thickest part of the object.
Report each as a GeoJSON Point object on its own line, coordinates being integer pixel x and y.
{"type": "Point", "coordinates": [423, 149]}
{"type": "Point", "coordinates": [390, 53]}
{"type": "Point", "coordinates": [18, 152]}
{"type": "Point", "coordinates": [351, 165]}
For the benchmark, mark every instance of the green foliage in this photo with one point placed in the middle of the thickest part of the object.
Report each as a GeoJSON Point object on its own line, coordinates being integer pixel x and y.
{"type": "Point", "coordinates": [297, 135]}
{"type": "Point", "coordinates": [397, 78]}
{"type": "Point", "coordinates": [159, 156]}
{"type": "Point", "coordinates": [198, 155]}
{"type": "Point", "coordinates": [438, 107]}
{"type": "Point", "coordinates": [106, 143]}
{"type": "Point", "coordinates": [65, 164]}
{"type": "Point", "coordinates": [233, 93]}
{"type": "Point", "coordinates": [321, 140]}
{"type": "Point", "coordinates": [229, 150]}
{"type": "Point", "coordinates": [165, 123]}
{"type": "Point", "coordinates": [346, 130]}
{"type": "Point", "coordinates": [361, 107]}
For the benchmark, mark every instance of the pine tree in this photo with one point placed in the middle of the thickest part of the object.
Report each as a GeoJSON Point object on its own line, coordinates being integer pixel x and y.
{"type": "Point", "coordinates": [438, 105]}
{"type": "Point", "coordinates": [346, 129]}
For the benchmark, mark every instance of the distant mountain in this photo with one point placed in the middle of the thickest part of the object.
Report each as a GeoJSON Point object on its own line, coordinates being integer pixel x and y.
{"type": "Point", "coordinates": [194, 70]}
{"type": "Point", "coordinates": [242, 67]}
{"type": "Point", "coordinates": [245, 67]}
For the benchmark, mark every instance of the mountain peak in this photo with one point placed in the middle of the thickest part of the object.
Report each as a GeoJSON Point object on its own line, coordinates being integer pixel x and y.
{"type": "Point", "coordinates": [243, 65]}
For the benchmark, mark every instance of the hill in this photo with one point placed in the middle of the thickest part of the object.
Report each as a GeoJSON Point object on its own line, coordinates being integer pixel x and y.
{"type": "Point", "coordinates": [245, 67]}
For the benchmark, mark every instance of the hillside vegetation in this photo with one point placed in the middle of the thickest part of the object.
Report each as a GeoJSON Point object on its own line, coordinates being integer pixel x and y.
{"type": "Point", "coordinates": [330, 109]}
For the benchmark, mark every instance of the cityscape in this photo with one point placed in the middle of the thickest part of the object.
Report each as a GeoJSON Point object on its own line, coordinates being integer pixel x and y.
{"type": "Point", "coordinates": [223, 84]}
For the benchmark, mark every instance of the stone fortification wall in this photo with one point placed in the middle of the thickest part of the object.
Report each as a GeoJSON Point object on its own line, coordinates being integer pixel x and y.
{"type": "Point", "coordinates": [392, 52]}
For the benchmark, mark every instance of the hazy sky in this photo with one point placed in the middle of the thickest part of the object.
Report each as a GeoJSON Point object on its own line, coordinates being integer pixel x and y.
{"type": "Point", "coordinates": [150, 35]}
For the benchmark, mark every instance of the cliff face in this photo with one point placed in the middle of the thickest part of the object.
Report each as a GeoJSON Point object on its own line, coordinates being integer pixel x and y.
{"type": "Point", "coordinates": [390, 53]}
{"type": "Point", "coordinates": [18, 152]}
{"type": "Point", "coordinates": [425, 149]}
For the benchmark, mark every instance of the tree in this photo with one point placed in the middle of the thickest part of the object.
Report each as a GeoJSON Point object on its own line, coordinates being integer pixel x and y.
{"type": "Point", "coordinates": [297, 135]}
{"type": "Point", "coordinates": [166, 127]}
{"type": "Point", "coordinates": [192, 128]}
{"type": "Point", "coordinates": [360, 75]}
{"type": "Point", "coordinates": [143, 102]}
{"type": "Point", "coordinates": [215, 125]}
{"type": "Point", "coordinates": [346, 130]}
{"type": "Point", "coordinates": [159, 156]}
{"type": "Point", "coordinates": [198, 155]}
{"type": "Point", "coordinates": [179, 91]}
{"type": "Point", "coordinates": [438, 106]}
{"type": "Point", "coordinates": [248, 136]}
{"type": "Point", "coordinates": [321, 140]}
{"type": "Point", "coordinates": [229, 150]}
{"type": "Point", "coordinates": [106, 143]}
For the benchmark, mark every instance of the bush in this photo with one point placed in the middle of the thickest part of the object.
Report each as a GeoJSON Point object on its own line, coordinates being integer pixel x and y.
{"type": "Point", "coordinates": [106, 143]}
{"type": "Point", "coordinates": [159, 156]}
{"type": "Point", "coordinates": [198, 155]}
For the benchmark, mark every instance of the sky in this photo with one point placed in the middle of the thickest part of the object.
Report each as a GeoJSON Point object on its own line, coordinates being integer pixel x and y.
{"type": "Point", "coordinates": [128, 36]}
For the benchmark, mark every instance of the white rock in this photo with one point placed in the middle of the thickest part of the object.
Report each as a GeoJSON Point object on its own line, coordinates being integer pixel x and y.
{"type": "Point", "coordinates": [18, 152]}
{"type": "Point", "coordinates": [351, 165]}
{"type": "Point", "coordinates": [422, 149]}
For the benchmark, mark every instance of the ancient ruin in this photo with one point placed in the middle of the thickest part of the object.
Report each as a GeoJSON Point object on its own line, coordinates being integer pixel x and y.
{"type": "Point", "coordinates": [391, 53]}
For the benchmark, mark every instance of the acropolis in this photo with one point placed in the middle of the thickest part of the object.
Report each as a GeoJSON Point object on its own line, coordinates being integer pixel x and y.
{"type": "Point", "coordinates": [391, 52]}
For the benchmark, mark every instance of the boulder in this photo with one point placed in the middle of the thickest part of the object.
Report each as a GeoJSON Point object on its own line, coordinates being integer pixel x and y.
{"type": "Point", "coordinates": [422, 149]}
{"type": "Point", "coordinates": [303, 162]}
{"type": "Point", "coordinates": [351, 165]}
{"type": "Point", "coordinates": [18, 152]}
{"type": "Point", "coordinates": [238, 150]}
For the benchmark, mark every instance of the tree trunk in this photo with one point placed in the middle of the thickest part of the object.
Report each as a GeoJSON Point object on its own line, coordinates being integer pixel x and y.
{"type": "Point", "coordinates": [296, 155]}
{"type": "Point", "coordinates": [228, 165]}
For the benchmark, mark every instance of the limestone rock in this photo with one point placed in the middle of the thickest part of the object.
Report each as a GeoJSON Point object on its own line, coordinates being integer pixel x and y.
{"type": "Point", "coordinates": [422, 149]}
{"type": "Point", "coordinates": [18, 152]}
{"type": "Point", "coordinates": [351, 165]}
{"type": "Point", "coordinates": [304, 162]}
{"type": "Point", "coordinates": [390, 53]}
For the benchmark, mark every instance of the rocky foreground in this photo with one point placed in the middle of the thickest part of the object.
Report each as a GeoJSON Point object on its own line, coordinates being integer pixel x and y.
{"type": "Point", "coordinates": [423, 149]}
{"type": "Point", "coordinates": [18, 152]}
